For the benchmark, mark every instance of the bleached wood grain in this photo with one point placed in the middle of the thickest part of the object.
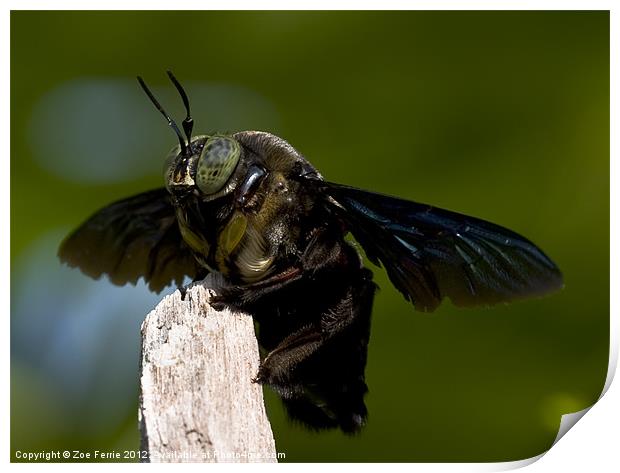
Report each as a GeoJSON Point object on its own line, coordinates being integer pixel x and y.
{"type": "Point", "coordinates": [197, 401]}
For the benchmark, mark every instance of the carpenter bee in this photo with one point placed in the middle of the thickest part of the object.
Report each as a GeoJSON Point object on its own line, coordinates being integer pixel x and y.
{"type": "Point", "coordinates": [251, 207]}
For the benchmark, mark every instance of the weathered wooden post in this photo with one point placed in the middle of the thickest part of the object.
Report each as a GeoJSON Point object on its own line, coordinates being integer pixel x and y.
{"type": "Point", "coordinates": [197, 401]}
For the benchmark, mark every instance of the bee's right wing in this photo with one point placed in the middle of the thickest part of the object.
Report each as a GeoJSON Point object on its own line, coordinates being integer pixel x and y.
{"type": "Point", "coordinates": [431, 253]}
{"type": "Point", "coordinates": [132, 238]}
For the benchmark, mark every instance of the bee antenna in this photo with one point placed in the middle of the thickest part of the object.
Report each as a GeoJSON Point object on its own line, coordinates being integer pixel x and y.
{"type": "Point", "coordinates": [188, 123]}
{"type": "Point", "coordinates": [171, 122]}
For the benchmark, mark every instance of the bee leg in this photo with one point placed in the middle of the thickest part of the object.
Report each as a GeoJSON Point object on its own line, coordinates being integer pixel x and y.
{"type": "Point", "coordinates": [351, 309]}
{"type": "Point", "coordinates": [355, 305]}
{"type": "Point", "coordinates": [275, 369]}
{"type": "Point", "coordinates": [320, 258]}
{"type": "Point", "coordinates": [240, 297]}
{"type": "Point", "coordinates": [319, 371]}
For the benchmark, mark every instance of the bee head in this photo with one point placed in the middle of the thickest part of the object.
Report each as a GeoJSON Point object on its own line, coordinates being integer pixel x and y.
{"type": "Point", "coordinates": [205, 163]}
{"type": "Point", "coordinates": [208, 166]}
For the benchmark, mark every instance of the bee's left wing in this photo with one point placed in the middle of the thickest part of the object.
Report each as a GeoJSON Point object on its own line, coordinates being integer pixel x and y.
{"type": "Point", "coordinates": [132, 238]}
{"type": "Point", "coordinates": [430, 253]}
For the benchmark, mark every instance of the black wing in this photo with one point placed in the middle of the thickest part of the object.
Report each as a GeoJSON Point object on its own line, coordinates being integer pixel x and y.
{"type": "Point", "coordinates": [132, 238]}
{"type": "Point", "coordinates": [430, 253]}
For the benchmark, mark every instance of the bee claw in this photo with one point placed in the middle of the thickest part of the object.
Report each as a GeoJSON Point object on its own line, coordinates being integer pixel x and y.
{"type": "Point", "coordinates": [217, 303]}
{"type": "Point", "coordinates": [224, 299]}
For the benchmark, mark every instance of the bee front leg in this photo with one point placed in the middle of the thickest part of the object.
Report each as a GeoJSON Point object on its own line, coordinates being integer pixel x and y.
{"type": "Point", "coordinates": [320, 257]}
{"type": "Point", "coordinates": [240, 297]}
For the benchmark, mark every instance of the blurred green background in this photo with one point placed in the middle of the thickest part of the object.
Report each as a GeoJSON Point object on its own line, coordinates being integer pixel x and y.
{"type": "Point", "coordinates": [501, 115]}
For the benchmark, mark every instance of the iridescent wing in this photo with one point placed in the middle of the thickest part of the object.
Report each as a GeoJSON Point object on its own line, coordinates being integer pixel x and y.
{"type": "Point", "coordinates": [430, 253]}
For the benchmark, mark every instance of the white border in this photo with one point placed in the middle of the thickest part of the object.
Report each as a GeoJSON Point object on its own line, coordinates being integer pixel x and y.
{"type": "Point", "coordinates": [592, 445]}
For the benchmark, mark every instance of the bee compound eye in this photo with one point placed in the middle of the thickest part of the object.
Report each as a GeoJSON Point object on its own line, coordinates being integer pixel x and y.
{"type": "Point", "coordinates": [216, 164]}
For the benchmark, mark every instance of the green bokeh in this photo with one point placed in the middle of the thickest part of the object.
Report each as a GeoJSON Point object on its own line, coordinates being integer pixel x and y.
{"type": "Point", "coordinates": [502, 115]}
